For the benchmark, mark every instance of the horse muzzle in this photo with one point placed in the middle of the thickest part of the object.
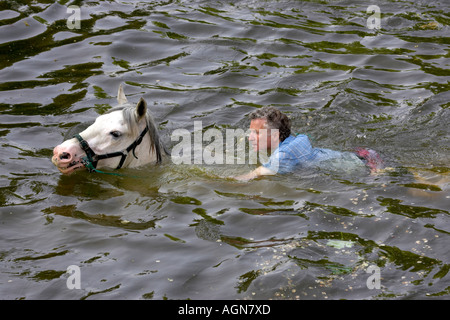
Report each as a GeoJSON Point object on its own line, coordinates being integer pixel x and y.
{"type": "Point", "coordinates": [67, 158]}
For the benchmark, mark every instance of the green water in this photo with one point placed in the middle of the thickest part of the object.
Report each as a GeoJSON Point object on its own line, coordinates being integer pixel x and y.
{"type": "Point", "coordinates": [179, 232]}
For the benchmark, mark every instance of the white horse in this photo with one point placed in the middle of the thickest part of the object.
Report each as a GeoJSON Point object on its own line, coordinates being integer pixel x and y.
{"type": "Point", "coordinates": [126, 136]}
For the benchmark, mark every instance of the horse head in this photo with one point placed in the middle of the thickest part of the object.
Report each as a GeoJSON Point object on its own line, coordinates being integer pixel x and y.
{"type": "Point", "coordinates": [125, 136]}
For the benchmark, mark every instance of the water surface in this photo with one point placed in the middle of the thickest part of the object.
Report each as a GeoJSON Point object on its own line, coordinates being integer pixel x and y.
{"type": "Point", "coordinates": [179, 232]}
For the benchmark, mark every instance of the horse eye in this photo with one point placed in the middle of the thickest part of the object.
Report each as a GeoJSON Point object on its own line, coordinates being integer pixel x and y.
{"type": "Point", "coordinates": [115, 134]}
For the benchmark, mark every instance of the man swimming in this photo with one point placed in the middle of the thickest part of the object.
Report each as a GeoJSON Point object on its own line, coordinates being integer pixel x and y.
{"type": "Point", "coordinates": [270, 131]}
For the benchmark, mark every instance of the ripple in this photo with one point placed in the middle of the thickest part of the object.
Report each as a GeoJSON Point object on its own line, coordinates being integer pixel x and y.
{"type": "Point", "coordinates": [180, 231]}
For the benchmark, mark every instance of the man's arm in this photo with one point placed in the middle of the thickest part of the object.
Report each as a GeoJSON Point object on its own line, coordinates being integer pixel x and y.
{"type": "Point", "coordinates": [260, 171]}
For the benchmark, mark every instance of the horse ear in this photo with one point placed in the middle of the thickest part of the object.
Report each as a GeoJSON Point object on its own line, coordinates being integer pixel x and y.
{"type": "Point", "coordinates": [141, 108]}
{"type": "Point", "coordinates": [121, 98]}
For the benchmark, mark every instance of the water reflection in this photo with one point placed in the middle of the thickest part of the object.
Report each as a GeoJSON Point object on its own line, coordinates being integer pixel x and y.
{"type": "Point", "coordinates": [181, 232]}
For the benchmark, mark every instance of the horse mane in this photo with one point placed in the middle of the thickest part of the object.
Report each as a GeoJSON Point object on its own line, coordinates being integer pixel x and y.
{"type": "Point", "coordinates": [131, 119]}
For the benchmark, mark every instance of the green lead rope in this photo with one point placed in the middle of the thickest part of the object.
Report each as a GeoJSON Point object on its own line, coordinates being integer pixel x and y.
{"type": "Point", "coordinates": [306, 134]}
{"type": "Point", "coordinates": [88, 164]}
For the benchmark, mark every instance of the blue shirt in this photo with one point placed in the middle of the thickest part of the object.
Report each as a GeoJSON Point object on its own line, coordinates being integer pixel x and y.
{"type": "Point", "coordinates": [296, 151]}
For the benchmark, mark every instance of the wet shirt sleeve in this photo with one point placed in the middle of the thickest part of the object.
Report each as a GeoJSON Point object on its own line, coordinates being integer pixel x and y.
{"type": "Point", "coordinates": [291, 153]}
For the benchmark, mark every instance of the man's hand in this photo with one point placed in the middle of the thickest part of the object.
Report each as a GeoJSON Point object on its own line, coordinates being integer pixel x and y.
{"type": "Point", "coordinates": [260, 171]}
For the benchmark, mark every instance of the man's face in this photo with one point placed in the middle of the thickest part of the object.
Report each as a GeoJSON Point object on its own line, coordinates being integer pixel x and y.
{"type": "Point", "coordinates": [261, 137]}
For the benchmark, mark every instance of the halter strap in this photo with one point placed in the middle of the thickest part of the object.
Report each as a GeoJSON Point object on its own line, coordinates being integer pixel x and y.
{"type": "Point", "coordinates": [91, 159]}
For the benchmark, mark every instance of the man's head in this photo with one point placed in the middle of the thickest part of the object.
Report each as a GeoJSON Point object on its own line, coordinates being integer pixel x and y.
{"type": "Point", "coordinates": [268, 128]}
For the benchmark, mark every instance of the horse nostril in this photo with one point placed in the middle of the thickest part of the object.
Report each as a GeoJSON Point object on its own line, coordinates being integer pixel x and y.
{"type": "Point", "coordinates": [64, 156]}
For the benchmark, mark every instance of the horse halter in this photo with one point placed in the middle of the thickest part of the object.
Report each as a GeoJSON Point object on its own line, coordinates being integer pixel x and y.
{"type": "Point", "coordinates": [91, 159]}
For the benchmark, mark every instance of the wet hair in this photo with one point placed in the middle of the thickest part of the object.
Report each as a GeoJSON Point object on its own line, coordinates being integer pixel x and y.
{"type": "Point", "coordinates": [275, 120]}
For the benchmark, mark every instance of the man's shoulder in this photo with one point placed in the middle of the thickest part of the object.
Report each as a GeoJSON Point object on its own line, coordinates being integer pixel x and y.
{"type": "Point", "coordinates": [293, 143]}
{"type": "Point", "coordinates": [291, 153]}
{"type": "Point", "coordinates": [296, 139]}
